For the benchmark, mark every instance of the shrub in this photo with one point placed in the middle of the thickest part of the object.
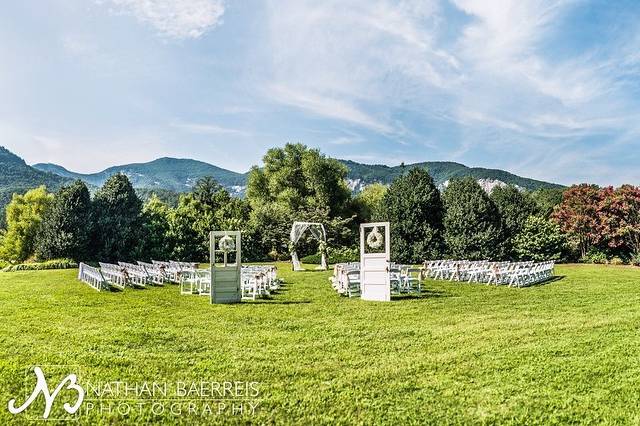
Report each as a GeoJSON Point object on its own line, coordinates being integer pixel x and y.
{"type": "Point", "coordinates": [335, 255]}
{"type": "Point", "coordinates": [616, 261]}
{"type": "Point", "coordinates": [594, 256]}
{"type": "Point", "coordinates": [41, 266]}
{"type": "Point", "coordinates": [635, 259]}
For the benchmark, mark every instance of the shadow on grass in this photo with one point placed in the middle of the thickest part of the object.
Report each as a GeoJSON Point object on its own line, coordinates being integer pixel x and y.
{"type": "Point", "coordinates": [549, 281]}
{"type": "Point", "coordinates": [272, 301]}
{"type": "Point", "coordinates": [425, 294]}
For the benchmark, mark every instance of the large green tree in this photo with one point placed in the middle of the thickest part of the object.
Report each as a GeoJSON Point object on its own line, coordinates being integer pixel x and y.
{"type": "Point", "coordinates": [296, 183]}
{"type": "Point", "coordinates": [413, 206]}
{"type": "Point", "coordinates": [540, 239]}
{"type": "Point", "coordinates": [369, 201]}
{"type": "Point", "coordinates": [66, 228]}
{"type": "Point", "coordinates": [515, 207]}
{"type": "Point", "coordinates": [117, 211]}
{"type": "Point", "coordinates": [24, 216]}
{"type": "Point", "coordinates": [547, 199]}
{"type": "Point", "coordinates": [156, 242]}
{"type": "Point", "coordinates": [472, 223]}
{"type": "Point", "coordinates": [207, 208]}
{"type": "Point", "coordinates": [299, 177]}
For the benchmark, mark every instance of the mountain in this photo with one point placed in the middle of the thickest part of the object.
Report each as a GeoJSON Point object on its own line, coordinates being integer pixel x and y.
{"type": "Point", "coordinates": [172, 174]}
{"type": "Point", "coordinates": [18, 177]}
{"type": "Point", "coordinates": [179, 175]}
{"type": "Point", "coordinates": [361, 175]}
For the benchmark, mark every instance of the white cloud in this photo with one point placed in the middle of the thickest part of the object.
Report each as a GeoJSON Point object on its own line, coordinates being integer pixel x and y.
{"type": "Point", "coordinates": [175, 18]}
{"type": "Point", "coordinates": [208, 129]}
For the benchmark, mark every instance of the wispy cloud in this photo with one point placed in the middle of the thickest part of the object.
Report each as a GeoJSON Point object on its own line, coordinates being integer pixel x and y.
{"type": "Point", "coordinates": [174, 18]}
{"type": "Point", "coordinates": [208, 129]}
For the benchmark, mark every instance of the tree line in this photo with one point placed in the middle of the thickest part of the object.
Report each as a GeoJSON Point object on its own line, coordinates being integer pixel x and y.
{"type": "Point", "coordinates": [297, 183]}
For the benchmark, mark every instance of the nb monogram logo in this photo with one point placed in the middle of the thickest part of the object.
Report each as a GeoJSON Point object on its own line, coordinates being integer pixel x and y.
{"type": "Point", "coordinates": [42, 388]}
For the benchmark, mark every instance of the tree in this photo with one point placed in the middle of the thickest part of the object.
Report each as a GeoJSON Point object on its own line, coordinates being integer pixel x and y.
{"type": "Point", "coordinates": [547, 199]}
{"type": "Point", "coordinates": [298, 177]}
{"type": "Point", "coordinates": [117, 210]}
{"type": "Point", "coordinates": [295, 184]}
{"type": "Point", "coordinates": [515, 207]}
{"type": "Point", "coordinates": [619, 216]}
{"type": "Point", "coordinates": [539, 240]}
{"type": "Point", "coordinates": [578, 216]}
{"type": "Point", "coordinates": [24, 215]}
{"type": "Point", "coordinates": [473, 228]}
{"type": "Point", "coordinates": [66, 228]}
{"type": "Point", "coordinates": [413, 206]}
{"type": "Point", "coordinates": [156, 242]}
{"type": "Point", "coordinates": [369, 201]}
{"type": "Point", "coordinates": [209, 207]}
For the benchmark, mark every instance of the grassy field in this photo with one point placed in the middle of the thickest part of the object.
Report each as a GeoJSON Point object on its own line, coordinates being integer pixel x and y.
{"type": "Point", "coordinates": [565, 352]}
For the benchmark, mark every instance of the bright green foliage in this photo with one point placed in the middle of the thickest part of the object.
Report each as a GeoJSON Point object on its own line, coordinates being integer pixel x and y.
{"type": "Point", "coordinates": [41, 266]}
{"type": "Point", "coordinates": [24, 216]}
{"type": "Point", "coordinates": [66, 228]}
{"type": "Point", "coordinates": [298, 177]}
{"type": "Point", "coordinates": [515, 207]}
{"type": "Point", "coordinates": [413, 207]}
{"type": "Point", "coordinates": [473, 229]}
{"type": "Point", "coordinates": [369, 201]}
{"type": "Point", "coordinates": [540, 239]}
{"type": "Point", "coordinates": [189, 245]}
{"type": "Point", "coordinates": [297, 183]}
{"type": "Point", "coordinates": [547, 199]}
{"type": "Point", "coordinates": [208, 208]}
{"type": "Point", "coordinates": [117, 211]}
{"type": "Point", "coordinates": [156, 243]}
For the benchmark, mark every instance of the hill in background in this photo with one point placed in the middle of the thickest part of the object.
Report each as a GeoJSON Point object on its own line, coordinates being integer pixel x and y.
{"type": "Point", "coordinates": [169, 176]}
{"type": "Point", "coordinates": [18, 177]}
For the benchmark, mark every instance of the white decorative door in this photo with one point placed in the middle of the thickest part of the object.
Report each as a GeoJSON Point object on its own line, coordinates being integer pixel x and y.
{"type": "Point", "coordinates": [226, 267]}
{"type": "Point", "coordinates": [375, 258]}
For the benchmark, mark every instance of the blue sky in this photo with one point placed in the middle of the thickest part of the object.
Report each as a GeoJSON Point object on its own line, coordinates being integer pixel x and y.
{"type": "Point", "coordinates": [544, 89]}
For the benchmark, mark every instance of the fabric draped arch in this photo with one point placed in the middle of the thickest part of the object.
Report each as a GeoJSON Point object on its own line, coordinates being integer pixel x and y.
{"type": "Point", "coordinates": [318, 231]}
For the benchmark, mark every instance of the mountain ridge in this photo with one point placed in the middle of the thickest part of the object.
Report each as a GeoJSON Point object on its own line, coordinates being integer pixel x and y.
{"type": "Point", "coordinates": [180, 174]}
{"type": "Point", "coordinates": [16, 176]}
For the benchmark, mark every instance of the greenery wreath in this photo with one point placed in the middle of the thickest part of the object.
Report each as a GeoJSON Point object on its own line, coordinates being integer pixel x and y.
{"type": "Point", "coordinates": [375, 239]}
{"type": "Point", "coordinates": [226, 244]}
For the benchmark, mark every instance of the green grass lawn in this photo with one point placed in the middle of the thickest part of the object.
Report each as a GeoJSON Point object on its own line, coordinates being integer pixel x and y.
{"type": "Point", "coordinates": [565, 352]}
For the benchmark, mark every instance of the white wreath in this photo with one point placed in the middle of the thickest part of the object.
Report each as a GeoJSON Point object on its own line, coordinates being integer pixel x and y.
{"type": "Point", "coordinates": [226, 244]}
{"type": "Point", "coordinates": [375, 239]}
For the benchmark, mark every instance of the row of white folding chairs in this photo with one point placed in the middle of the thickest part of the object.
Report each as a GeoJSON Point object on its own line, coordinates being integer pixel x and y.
{"type": "Point", "coordinates": [259, 281]}
{"type": "Point", "coordinates": [174, 269]}
{"type": "Point", "coordinates": [115, 275]}
{"type": "Point", "coordinates": [506, 273]}
{"type": "Point", "coordinates": [93, 277]}
{"type": "Point", "coordinates": [197, 281]}
{"type": "Point", "coordinates": [156, 273]}
{"type": "Point", "coordinates": [139, 275]}
{"type": "Point", "coordinates": [346, 279]}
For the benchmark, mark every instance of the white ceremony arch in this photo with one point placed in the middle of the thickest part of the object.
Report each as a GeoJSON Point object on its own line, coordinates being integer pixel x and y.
{"type": "Point", "coordinates": [317, 230]}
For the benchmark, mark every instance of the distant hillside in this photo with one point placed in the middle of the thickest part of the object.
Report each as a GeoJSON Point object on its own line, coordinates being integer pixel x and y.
{"type": "Point", "coordinates": [17, 177]}
{"type": "Point", "coordinates": [174, 174]}
{"type": "Point", "coordinates": [179, 175]}
{"type": "Point", "coordinates": [442, 172]}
